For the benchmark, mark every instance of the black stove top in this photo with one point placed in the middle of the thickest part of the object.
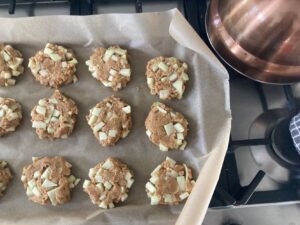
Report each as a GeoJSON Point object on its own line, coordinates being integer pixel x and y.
{"type": "Point", "coordinates": [269, 139]}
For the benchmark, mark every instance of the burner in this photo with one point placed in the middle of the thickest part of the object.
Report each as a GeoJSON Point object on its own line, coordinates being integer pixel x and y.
{"type": "Point", "coordinates": [278, 158]}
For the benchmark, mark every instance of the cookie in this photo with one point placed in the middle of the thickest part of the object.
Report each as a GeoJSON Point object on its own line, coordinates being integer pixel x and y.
{"type": "Point", "coordinates": [10, 115]}
{"type": "Point", "coordinates": [109, 183]}
{"type": "Point", "coordinates": [5, 176]}
{"type": "Point", "coordinates": [170, 183]}
{"type": "Point", "coordinates": [49, 179]}
{"type": "Point", "coordinates": [10, 65]}
{"type": "Point", "coordinates": [54, 66]}
{"type": "Point", "coordinates": [166, 128]}
{"type": "Point", "coordinates": [110, 120]}
{"type": "Point", "coordinates": [167, 77]}
{"type": "Point", "coordinates": [54, 117]}
{"type": "Point", "coordinates": [110, 66]}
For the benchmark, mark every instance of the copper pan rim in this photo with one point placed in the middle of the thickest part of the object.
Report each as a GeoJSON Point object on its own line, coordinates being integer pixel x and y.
{"type": "Point", "coordinates": [273, 73]}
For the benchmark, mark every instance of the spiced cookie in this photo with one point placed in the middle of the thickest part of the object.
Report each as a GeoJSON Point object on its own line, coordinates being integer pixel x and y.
{"type": "Point", "coordinates": [10, 115]}
{"type": "Point", "coordinates": [110, 183]}
{"type": "Point", "coordinates": [54, 117]}
{"type": "Point", "coordinates": [49, 179]}
{"type": "Point", "coordinates": [170, 183]}
{"type": "Point", "coordinates": [10, 65]}
{"type": "Point", "coordinates": [110, 66]}
{"type": "Point", "coordinates": [54, 66]}
{"type": "Point", "coordinates": [166, 77]}
{"type": "Point", "coordinates": [5, 176]}
{"type": "Point", "coordinates": [166, 128]}
{"type": "Point", "coordinates": [110, 120]}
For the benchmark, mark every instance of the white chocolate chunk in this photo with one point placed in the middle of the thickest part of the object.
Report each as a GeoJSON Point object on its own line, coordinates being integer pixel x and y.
{"type": "Point", "coordinates": [92, 172]}
{"type": "Point", "coordinates": [130, 182]}
{"type": "Point", "coordinates": [56, 113]}
{"type": "Point", "coordinates": [180, 136]}
{"type": "Point", "coordinates": [50, 130]}
{"type": "Point", "coordinates": [169, 128]}
{"type": "Point", "coordinates": [150, 187]}
{"type": "Point", "coordinates": [102, 136]}
{"type": "Point", "coordinates": [120, 51]}
{"type": "Point", "coordinates": [154, 179]}
{"type": "Point", "coordinates": [168, 198]}
{"type": "Point", "coordinates": [150, 82]}
{"type": "Point", "coordinates": [182, 147]}
{"type": "Point", "coordinates": [53, 101]}
{"type": "Point", "coordinates": [48, 51]}
{"type": "Point", "coordinates": [148, 132]}
{"type": "Point", "coordinates": [96, 111]}
{"type": "Point", "coordinates": [98, 126]}
{"type": "Point", "coordinates": [178, 85]}
{"type": "Point", "coordinates": [41, 110]}
{"type": "Point", "coordinates": [92, 120]}
{"type": "Point", "coordinates": [108, 53]}
{"type": "Point", "coordinates": [155, 170]}
{"type": "Point", "coordinates": [154, 67]}
{"type": "Point", "coordinates": [112, 133]}
{"type": "Point", "coordinates": [163, 66]}
{"type": "Point", "coordinates": [31, 184]}
{"type": "Point", "coordinates": [181, 183]}
{"type": "Point", "coordinates": [171, 161]}
{"type": "Point", "coordinates": [98, 178]}
{"type": "Point", "coordinates": [112, 72]}
{"type": "Point", "coordinates": [42, 102]}
{"type": "Point", "coordinates": [107, 185]}
{"type": "Point", "coordinates": [36, 192]}
{"type": "Point", "coordinates": [155, 199]}
{"type": "Point", "coordinates": [48, 184]}
{"type": "Point", "coordinates": [55, 57]}
{"type": "Point", "coordinates": [102, 205]}
{"type": "Point", "coordinates": [161, 110]}
{"type": "Point", "coordinates": [163, 147]}
{"type": "Point", "coordinates": [46, 173]}
{"type": "Point", "coordinates": [163, 94]}
{"type": "Point", "coordinates": [184, 195]}
{"type": "Point", "coordinates": [39, 125]}
{"type": "Point", "coordinates": [52, 196]}
{"type": "Point", "coordinates": [125, 72]}
{"type": "Point", "coordinates": [173, 77]}
{"type": "Point", "coordinates": [184, 76]}
{"type": "Point", "coordinates": [179, 128]}
{"type": "Point", "coordinates": [127, 109]}
{"type": "Point", "coordinates": [107, 165]}
{"type": "Point", "coordinates": [36, 174]}
{"type": "Point", "coordinates": [124, 197]}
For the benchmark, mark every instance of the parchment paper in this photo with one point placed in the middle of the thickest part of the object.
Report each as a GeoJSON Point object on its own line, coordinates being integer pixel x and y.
{"type": "Point", "coordinates": [205, 104]}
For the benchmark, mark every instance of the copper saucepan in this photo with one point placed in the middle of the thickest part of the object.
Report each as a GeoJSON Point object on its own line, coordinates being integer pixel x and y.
{"type": "Point", "coordinates": [258, 38]}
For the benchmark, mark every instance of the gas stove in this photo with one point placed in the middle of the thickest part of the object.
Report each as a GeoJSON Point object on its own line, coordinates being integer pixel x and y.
{"type": "Point", "coordinates": [260, 178]}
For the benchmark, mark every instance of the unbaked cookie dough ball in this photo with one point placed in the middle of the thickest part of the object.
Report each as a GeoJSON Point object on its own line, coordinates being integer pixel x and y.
{"type": "Point", "coordinates": [167, 77]}
{"type": "Point", "coordinates": [166, 128]}
{"type": "Point", "coordinates": [170, 183]}
{"type": "Point", "coordinates": [10, 65]}
{"type": "Point", "coordinates": [49, 179]}
{"type": "Point", "coordinates": [10, 115]}
{"type": "Point", "coordinates": [110, 120]}
{"type": "Point", "coordinates": [5, 176]}
{"type": "Point", "coordinates": [54, 66]}
{"type": "Point", "coordinates": [54, 117]}
{"type": "Point", "coordinates": [110, 66]}
{"type": "Point", "coordinates": [109, 183]}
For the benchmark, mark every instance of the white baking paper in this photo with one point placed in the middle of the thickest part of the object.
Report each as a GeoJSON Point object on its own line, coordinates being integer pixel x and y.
{"type": "Point", "coordinates": [205, 104]}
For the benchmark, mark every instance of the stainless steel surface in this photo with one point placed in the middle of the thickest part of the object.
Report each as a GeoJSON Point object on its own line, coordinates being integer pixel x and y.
{"type": "Point", "coordinates": [263, 156]}
{"type": "Point", "coordinates": [258, 38]}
